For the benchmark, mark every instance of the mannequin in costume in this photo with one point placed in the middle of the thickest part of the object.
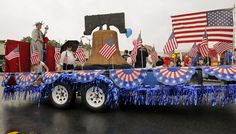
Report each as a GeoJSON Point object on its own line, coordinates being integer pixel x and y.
{"type": "Point", "coordinates": [37, 40]}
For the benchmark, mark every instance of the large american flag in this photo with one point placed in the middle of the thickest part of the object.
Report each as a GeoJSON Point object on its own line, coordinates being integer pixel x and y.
{"type": "Point", "coordinates": [80, 55]}
{"type": "Point", "coordinates": [189, 28]}
{"type": "Point", "coordinates": [34, 57]}
{"type": "Point", "coordinates": [221, 47]}
{"type": "Point", "coordinates": [108, 49]}
{"type": "Point", "coordinates": [13, 54]}
{"type": "Point", "coordinates": [171, 45]}
{"type": "Point", "coordinates": [194, 50]}
{"type": "Point", "coordinates": [203, 46]}
{"type": "Point", "coordinates": [57, 55]}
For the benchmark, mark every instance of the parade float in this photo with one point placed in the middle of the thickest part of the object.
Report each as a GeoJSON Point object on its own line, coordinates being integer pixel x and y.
{"type": "Point", "coordinates": [106, 83]}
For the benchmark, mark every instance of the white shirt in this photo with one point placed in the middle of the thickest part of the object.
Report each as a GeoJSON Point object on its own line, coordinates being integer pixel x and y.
{"type": "Point", "coordinates": [129, 61]}
{"type": "Point", "coordinates": [149, 62]}
{"type": "Point", "coordinates": [70, 57]}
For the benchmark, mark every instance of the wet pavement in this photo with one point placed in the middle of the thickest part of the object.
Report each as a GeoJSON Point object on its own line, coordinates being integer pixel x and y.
{"type": "Point", "coordinates": [27, 118]}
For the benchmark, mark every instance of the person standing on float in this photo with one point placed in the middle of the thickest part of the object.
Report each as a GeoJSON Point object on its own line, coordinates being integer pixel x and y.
{"type": "Point", "coordinates": [37, 40]}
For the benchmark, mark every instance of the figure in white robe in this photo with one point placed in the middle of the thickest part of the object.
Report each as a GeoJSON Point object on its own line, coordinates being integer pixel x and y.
{"type": "Point", "coordinates": [37, 40]}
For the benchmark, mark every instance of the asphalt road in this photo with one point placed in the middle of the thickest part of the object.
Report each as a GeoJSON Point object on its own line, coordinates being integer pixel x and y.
{"type": "Point", "coordinates": [27, 118]}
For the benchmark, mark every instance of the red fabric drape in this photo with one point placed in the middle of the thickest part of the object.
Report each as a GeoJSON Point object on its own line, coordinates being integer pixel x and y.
{"type": "Point", "coordinates": [50, 61]}
{"type": "Point", "coordinates": [23, 62]}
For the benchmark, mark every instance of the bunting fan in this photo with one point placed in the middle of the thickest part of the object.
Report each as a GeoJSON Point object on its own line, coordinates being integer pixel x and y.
{"type": "Point", "coordinates": [174, 76]}
{"type": "Point", "coordinates": [227, 73]}
{"type": "Point", "coordinates": [128, 78]}
{"type": "Point", "coordinates": [26, 78]}
{"type": "Point", "coordinates": [84, 76]}
{"type": "Point", "coordinates": [50, 77]}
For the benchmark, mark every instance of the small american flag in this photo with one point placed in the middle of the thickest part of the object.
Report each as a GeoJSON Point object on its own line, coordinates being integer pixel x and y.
{"type": "Point", "coordinates": [13, 54]}
{"type": "Point", "coordinates": [193, 52]}
{"type": "Point", "coordinates": [57, 55]}
{"type": "Point", "coordinates": [108, 49]}
{"type": "Point", "coordinates": [34, 57]}
{"type": "Point", "coordinates": [65, 59]}
{"type": "Point", "coordinates": [79, 54]}
{"type": "Point", "coordinates": [171, 45]}
{"type": "Point", "coordinates": [221, 47]}
{"type": "Point", "coordinates": [189, 28]}
{"type": "Point", "coordinates": [134, 52]}
{"type": "Point", "coordinates": [137, 44]}
{"type": "Point", "coordinates": [203, 46]}
{"type": "Point", "coordinates": [154, 55]}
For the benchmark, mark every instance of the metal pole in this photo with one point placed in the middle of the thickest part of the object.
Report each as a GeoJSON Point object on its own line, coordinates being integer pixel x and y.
{"type": "Point", "coordinates": [233, 53]}
{"type": "Point", "coordinates": [19, 58]}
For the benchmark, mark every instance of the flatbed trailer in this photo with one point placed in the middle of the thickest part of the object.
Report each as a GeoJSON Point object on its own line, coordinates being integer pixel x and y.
{"type": "Point", "coordinates": [102, 89]}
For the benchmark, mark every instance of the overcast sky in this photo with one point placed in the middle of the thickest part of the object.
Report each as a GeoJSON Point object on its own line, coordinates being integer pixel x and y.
{"type": "Point", "coordinates": [66, 17]}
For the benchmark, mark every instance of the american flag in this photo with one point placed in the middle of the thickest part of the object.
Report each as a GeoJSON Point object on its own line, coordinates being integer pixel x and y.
{"type": "Point", "coordinates": [154, 55]}
{"type": "Point", "coordinates": [108, 49]}
{"type": "Point", "coordinates": [221, 47]}
{"type": "Point", "coordinates": [65, 59]}
{"type": "Point", "coordinates": [171, 45]}
{"type": "Point", "coordinates": [34, 57]}
{"type": "Point", "coordinates": [203, 46]}
{"type": "Point", "coordinates": [79, 54]}
{"type": "Point", "coordinates": [57, 55]}
{"type": "Point", "coordinates": [13, 54]}
{"type": "Point", "coordinates": [193, 52]}
{"type": "Point", "coordinates": [137, 45]}
{"type": "Point", "coordinates": [189, 28]}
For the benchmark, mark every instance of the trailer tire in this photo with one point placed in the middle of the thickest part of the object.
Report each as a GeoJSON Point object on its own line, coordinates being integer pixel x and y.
{"type": "Point", "coordinates": [94, 98]}
{"type": "Point", "coordinates": [62, 97]}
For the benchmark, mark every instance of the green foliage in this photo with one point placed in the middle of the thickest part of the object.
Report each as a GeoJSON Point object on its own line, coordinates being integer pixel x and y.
{"type": "Point", "coordinates": [87, 46]}
{"type": "Point", "coordinates": [53, 43]}
{"type": "Point", "coordinates": [26, 39]}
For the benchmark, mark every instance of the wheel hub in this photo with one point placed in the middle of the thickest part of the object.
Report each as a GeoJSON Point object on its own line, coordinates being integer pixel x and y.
{"type": "Point", "coordinates": [95, 97]}
{"type": "Point", "coordinates": [60, 94]}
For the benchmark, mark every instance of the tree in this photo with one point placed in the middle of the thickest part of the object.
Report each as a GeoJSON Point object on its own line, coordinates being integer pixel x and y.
{"type": "Point", "coordinates": [51, 42]}
{"type": "Point", "coordinates": [26, 39]}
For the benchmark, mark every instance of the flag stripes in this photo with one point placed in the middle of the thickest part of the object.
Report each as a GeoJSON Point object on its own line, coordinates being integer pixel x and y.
{"type": "Point", "coordinates": [189, 28]}
{"type": "Point", "coordinates": [34, 57]}
{"type": "Point", "coordinates": [108, 49]}
{"type": "Point", "coordinates": [57, 55]}
{"type": "Point", "coordinates": [13, 54]}
{"type": "Point", "coordinates": [80, 55]}
{"type": "Point", "coordinates": [221, 47]}
{"type": "Point", "coordinates": [171, 45]}
{"type": "Point", "coordinates": [193, 52]}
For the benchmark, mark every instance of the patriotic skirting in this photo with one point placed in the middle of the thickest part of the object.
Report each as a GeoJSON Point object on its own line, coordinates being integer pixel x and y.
{"type": "Point", "coordinates": [159, 86]}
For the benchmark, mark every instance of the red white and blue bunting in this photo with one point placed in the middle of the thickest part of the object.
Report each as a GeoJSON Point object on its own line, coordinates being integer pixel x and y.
{"type": "Point", "coordinates": [50, 77]}
{"type": "Point", "coordinates": [26, 78]}
{"type": "Point", "coordinates": [226, 72]}
{"type": "Point", "coordinates": [85, 76]}
{"type": "Point", "coordinates": [128, 78]}
{"type": "Point", "coordinates": [6, 78]}
{"type": "Point", "coordinates": [173, 76]}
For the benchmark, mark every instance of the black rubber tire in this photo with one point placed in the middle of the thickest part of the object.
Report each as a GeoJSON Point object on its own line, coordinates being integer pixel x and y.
{"type": "Point", "coordinates": [70, 101]}
{"type": "Point", "coordinates": [88, 106]}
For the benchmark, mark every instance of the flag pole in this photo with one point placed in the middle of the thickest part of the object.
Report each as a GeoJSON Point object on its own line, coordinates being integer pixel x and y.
{"type": "Point", "coordinates": [233, 53]}
{"type": "Point", "coordinates": [207, 60]}
{"type": "Point", "coordinates": [19, 58]}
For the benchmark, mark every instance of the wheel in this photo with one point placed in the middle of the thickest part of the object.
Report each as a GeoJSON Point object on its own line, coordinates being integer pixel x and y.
{"type": "Point", "coordinates": [94, 98]}
{"type": "Point", "coordinates": [62, 96]}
